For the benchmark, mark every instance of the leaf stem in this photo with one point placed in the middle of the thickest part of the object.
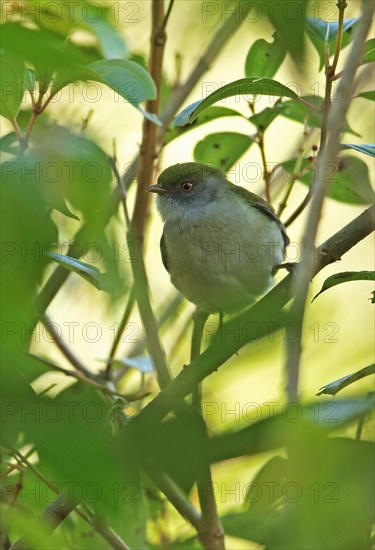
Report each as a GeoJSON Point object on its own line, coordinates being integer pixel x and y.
{"type": "Point", "coordinates": [341, 4]}
{"type": "Point", "coordinates": [299, 209]}
{"type": "Point", "coordinates": [294, 177]}
{"type": "Point", "coordinates": [266, 172]}
{"type": "Point", "coordinates": [308, 104]}
{"type": "Point", "coordinates": [167, 15]}
{"type": "Point", "coordinates": [65, 349]}
{"type": "Point", "coordinates": [121, 186]}
{"type": "Point", "coordinates": [20, 137]}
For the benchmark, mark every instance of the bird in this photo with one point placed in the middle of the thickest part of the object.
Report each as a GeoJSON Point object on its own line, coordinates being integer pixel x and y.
{"type": "Point", "coordinates": [221, 243]}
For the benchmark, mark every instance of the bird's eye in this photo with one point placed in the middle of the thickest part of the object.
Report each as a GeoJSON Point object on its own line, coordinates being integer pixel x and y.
{"type": "Point", "coordinates": [186, 187]}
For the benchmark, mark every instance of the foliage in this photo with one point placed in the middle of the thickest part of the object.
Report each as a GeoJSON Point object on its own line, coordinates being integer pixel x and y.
{"type": "Point", "coordinates": [127, 454]}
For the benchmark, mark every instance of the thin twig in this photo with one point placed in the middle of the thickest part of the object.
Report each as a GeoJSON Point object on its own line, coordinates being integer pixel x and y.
{"type": "Point", "coordinates": [65, 349]}
{"type": "Point", "coordinates": [121, 186]}
{"type": "Point", "coordinates": [125, 318]}
{"type": "Point", "coordinates": [86, 120]}
{"type": "Point", "coordinates": [295, 175]}
{"type": "Point", "coordinates": [81, 378]}
{"type": "Point", "coordinates": [266, 173]}
{"type": "Point", "coordinates": [167, 313]}
{"type": "Point", "coordinates": [167, 15]}
{"type": "Point", "coordinates": [308, 104]}
{"type": "Point", "coordinates": [148, 155]}
{"type": "Point", "coordinates": [20, 137]}
{"type": "Point", "coordinates": [341, 4]}
{"type": "Point", "coordinates": [327, 156]}
{"type": "Point", "coordinates": [300, 208]}
{"type": "Point", "coordinates": [172, 492]}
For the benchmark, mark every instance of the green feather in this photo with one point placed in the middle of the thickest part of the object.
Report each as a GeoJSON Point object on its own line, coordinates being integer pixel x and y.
{"type": "Point", "coordinates": [163, 250]}
{"type": "Point", "coordinates": [194, 171]}
{"type": "Point", "coordinates": [263, 206]}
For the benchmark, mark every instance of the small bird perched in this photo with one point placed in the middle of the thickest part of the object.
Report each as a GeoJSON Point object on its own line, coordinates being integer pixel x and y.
{"type": "Point", "coordinates": [221, 244]}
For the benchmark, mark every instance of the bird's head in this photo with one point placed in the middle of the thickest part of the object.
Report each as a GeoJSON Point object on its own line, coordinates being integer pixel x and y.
{"type": "Point", "coordinates": [188, 189]}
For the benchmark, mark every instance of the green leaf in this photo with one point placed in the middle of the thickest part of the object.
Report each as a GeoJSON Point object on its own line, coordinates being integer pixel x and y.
{"type": "Point", "coordinates": [350, 184]}
{"type": "Point", "coordinates": [245, 86]}
{"type": "Point", "coordinates": [288, 18]}
{"type": "Point", "coordinates": [344, 277]}
{"type": "Point", "coordinates": [264, 118]}
{"type": "Point", "coordinates": [260, 503]}
{"type": "Point", "coordinates": [222, 149]}
{"type": "Point", "coordinates": [367, 95]}
{"type": "Point", "coordinates": [30, 78]}
{"type": "Point", "coordinates": [327, 30]}
{"type": "Point", "coordinates": [366, 148]}
{"type": "Point", "coordinates": [112, 45]}
{"type": "Point", "coordinates": [369, 54]}
{"type": "Point", "coordinates": [9, 143]}
{"type": "Point", "coordinates": [273, 430]}
{"type": "Point", "coordinates": [320, 31]}
{"type": "Point", "coordinates": [42, 48]}
{"type": "Point", "coordinates": [90, 273]}
{"type": "Point", "coordinates": [24, 219]}
{"type": "Point", "coordinates": [74, 73]}
{"type": "Point", "coordinates": [334, 387]}
{"type": "Point", "coordinates": [129, 80]}
{"type": "Point", "coordinates": [211, 113]}
{"type": "Point", "coordinates": [264, 58]}
{"type": "Point", "coordinates": [12, 84]}
{"type": "Point", "coordinates": [300, 112]}
{"type": "Point", "coordinates": [143, 363]}
{"type": "Point", "coordinates": [60, 205]}
{"type": "Point", "coordinates": [75, 169]}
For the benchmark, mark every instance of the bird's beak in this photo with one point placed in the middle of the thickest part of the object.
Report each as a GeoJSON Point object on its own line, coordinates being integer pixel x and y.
{"type": "Point", "coordinates": [156, 189]}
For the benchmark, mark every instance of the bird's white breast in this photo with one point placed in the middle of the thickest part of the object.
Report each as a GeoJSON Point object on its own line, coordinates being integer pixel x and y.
{"type": "Point", "coordinates": [222, 260]}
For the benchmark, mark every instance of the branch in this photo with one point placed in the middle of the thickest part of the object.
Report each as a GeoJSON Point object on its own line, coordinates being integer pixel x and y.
{"type": "Point", "coordinates": [267, 310]}
{"type": "Point", "coordinates": [148, 155]}
{"type": "Point", "coordinates": [211, 532]}
{"type": "Point", "coordinates": [81, 378]}
{"type": "Point", "coordinates": [334, 387]}
{"type": "Point", "coordinates": [327, 156]}
{"type": "Point", "coordinates": [148, 152]}
{"type": "Point", "coordinates": [65, 349]}
{"type": "Point", "coordinates": [50, 518]}
{"type": "Point", "coordinates": [173, 493]}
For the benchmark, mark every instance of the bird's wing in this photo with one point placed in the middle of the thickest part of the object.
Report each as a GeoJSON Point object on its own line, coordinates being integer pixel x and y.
{"type": "Point", "coordinates": [260, 204]}
{"type": "Point", "coordinates": [164, 255]}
